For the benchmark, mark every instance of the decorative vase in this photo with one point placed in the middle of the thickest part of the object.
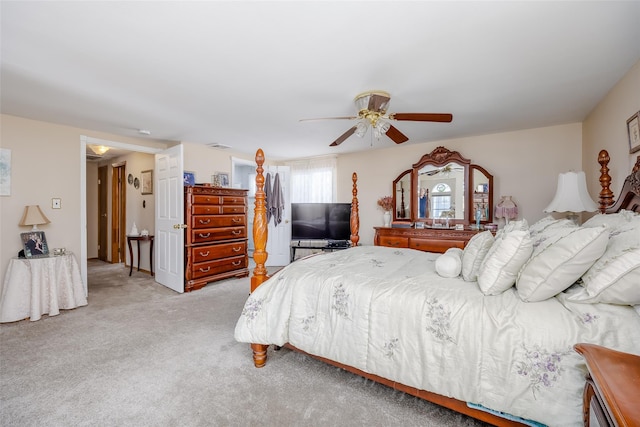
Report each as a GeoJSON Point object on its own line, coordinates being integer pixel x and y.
{"type": "Point", "coordinates": [386, 218]}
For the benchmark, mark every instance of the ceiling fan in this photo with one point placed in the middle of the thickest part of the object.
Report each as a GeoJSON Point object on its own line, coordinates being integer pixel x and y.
{"type": "Point", "coordinates": [372, 112]}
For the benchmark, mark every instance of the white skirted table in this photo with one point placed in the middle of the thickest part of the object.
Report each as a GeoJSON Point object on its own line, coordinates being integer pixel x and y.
{"type": "Point", "coordinates": [36, 286]}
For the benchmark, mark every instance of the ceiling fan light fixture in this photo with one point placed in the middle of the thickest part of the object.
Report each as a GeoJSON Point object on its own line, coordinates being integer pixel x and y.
{"type": "Point", "coordinates": [383, 126]}
{"type": "Point", "coordinates": [361, 129]}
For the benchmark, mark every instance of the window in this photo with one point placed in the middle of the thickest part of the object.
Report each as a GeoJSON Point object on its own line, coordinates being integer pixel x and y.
{"type": "Point", "coordinates": [313, 180]}
{"type": "Point", "coordinates": [440, 199]}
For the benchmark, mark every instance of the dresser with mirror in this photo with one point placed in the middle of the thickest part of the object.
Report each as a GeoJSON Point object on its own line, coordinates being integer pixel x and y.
{"type": "Point", "coordinates": [440, 202]}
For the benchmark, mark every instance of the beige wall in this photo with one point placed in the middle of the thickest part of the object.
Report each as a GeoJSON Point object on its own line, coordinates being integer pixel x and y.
{"type": "Point", "coordinates": [525, 164]}
{"type": "Point", "coordinates": [606, 128]}
{"type": "Point", "coordinates": [45, 164]}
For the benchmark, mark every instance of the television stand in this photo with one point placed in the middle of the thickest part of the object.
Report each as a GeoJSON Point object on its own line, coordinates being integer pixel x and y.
{"type": "Point", "coordinates": [323, 245]}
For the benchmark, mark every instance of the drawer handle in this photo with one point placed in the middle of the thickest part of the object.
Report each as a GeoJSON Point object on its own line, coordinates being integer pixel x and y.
{"type": "Point", "coordinates": [236, 219]}
{"type": "Point", "coordinates": [208, 199]}
{"type": "Point", "coordinates": [236, 232]}
{"type": "Point", "coordinates": [204, 236]}
{"type": "Point", "coordinates": [202, 270]}
{"type": "Point", "coordinates": [236, 249]}
{"type": "Point", "coordinates": [205, 222]}
{"type": "Point", "coordinates": [204, 253]}
{"type": "Point", "coordinates": [236, 263]}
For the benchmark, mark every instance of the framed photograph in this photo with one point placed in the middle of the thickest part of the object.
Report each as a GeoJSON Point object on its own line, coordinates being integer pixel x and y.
{"type": "Point", "coordinates": [220, 179]}
{"type": "Point", "coordinates": [189, 179]}
{"type": "Point", "coordinates": [147, 181]}
{"type": "Point", "coordinates": [633, 129]}
{"type": "Point", "coordinates": [35, 244]}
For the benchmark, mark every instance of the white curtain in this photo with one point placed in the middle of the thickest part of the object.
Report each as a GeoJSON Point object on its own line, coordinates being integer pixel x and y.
{"type": "Point", "coordinates": [313, 180]}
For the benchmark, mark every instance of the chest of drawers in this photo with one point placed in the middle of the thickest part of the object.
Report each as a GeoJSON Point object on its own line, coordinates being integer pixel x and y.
{"type": "Point", "coordinates": [216, 235]}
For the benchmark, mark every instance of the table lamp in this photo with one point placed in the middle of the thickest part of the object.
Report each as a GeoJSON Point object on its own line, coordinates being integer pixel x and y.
{"type": "Point", "coordinates": [506, 209]}
{"type": "Point", "coordinates": [572, 196]}
{"type": "Point", "coordinates": [33, 215]}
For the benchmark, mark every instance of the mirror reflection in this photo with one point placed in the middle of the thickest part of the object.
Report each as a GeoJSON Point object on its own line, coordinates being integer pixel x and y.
{"type": "Point", "coordinates": [402, 187]}
{"type": "Point", "coordinates": [441, 192]}
{"type": "Point", "coordinates": [482, 195]}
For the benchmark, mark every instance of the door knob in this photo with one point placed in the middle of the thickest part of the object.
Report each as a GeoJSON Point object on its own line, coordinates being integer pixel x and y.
{"type": "Point", "coordinates": [179, 226]}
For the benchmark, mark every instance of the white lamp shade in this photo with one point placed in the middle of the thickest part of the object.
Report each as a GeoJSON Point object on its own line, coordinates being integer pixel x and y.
{"type": "Point", "coordinates": [572, 195]}
{"type": "Point", "coordinates": [33, 215]}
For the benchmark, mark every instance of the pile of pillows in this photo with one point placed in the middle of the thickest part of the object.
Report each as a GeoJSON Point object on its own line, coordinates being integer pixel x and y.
{"type": "Point", "coordinates": [546, 258]}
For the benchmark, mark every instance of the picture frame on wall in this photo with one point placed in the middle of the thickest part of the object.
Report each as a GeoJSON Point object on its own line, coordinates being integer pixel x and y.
{"type": "Point", "coordinates": [220, 179]}
{"type": "Point", "coordinates": [633, 130]}
{"type": "Point", "coordinates": [189, 179]}
{"type": "Point", "coordinates": [35, 244]}
{"type": "Point", "coordinates": [147, 181]}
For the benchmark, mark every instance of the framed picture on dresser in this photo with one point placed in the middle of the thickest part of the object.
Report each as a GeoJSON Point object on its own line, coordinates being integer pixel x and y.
{"type": "Point", "coordinates": [35, 244]}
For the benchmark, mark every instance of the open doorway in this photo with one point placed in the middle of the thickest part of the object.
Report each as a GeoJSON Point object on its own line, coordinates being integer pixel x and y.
{"type": "Point", "coordinates": [106, 186]}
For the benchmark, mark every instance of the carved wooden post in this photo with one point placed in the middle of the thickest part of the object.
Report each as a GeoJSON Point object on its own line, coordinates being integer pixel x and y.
{"type": "Point", "coordinates": [606, 195]}
{"type": "Point", "coordinates": [355, 219]}
{"type": "Point", "coordinates": [260, 234]}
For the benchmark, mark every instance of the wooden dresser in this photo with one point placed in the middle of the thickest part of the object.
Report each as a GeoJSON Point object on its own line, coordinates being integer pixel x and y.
{"type": "Point", "coordinates": [216, 235]}
{"type": "Point", "coordinates": [424, 239]}
{"type": "Point", "coordinates": [612, 391]}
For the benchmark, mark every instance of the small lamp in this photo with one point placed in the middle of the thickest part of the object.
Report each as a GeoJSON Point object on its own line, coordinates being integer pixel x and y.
{"type": "Point", "coordinates": [33, 215]}
{"type": "Point", "coordinates": [572, 196]}
{"type": "Point", "coordinates": [506, 209]}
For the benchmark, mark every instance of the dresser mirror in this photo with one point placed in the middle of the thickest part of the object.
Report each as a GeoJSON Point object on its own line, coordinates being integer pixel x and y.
{"type": "Point", "coordinates": [402, 196]}
{"type": "Point", "coordinates": [443, 189]}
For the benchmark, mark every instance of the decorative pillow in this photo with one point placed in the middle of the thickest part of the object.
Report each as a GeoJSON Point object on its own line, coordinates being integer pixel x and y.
{"type": "Point", "coordinates": [504, 260]}
{"type": "Point", "coordinates": [559, 260]}
{"type": "Point", "coordinates": [474, 253]}
{"type": "Point", "coordinates": [449, 264]}
{"type": "Point", "coordinates": [615, 277]}
{"type": "Point", "coordinates": [547, 223]}
{"type": "Point", "coordinates": [612, 221]}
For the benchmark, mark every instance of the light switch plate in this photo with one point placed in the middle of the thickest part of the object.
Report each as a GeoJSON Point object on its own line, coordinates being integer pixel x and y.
{"type": "Point", "coordinates": [56, 203]}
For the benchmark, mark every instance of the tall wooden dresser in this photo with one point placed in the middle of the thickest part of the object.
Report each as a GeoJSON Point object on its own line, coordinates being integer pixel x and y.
{"type": "Point", "coordinates": [216, 235]}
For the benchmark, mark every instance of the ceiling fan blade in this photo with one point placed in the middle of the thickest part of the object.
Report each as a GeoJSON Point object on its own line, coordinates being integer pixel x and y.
{"type": "Point", "coordinates": [378, 102]}
{"type": "Point", "coordinates": [422, 117]}
{"type": "Point", "coordinates": [397, 136]}
{"type": "Point", "coordinates": [344, 136]}
{"type": "Point", "coordinates": [330, 118]}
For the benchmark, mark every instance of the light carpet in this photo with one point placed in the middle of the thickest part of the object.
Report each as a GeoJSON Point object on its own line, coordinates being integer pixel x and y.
{"type": "Point", "coordinates": [142, 355]}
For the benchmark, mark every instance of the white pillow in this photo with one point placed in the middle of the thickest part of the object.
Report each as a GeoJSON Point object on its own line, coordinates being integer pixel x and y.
{"type": "Point", "coordinates": [560, 262]}
{"type": "Point", "coordinates": [613, 221]}
{"type": "Point", "coordinates": [547, 223]}
{"type": "Point", "coordinates": [474, 253]}
{"type": "Point", "coordinates": [504, 260]}
{"type": "Point", "coordinates": [615, 277]}
{"type": "Point", "coordinates": [449, 264]}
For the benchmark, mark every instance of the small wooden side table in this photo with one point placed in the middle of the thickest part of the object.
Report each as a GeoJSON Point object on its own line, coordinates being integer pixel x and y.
{"type": "Point", "coordinates": [612, 392]}
{"type": "Point", "coordinates": [138, 239]}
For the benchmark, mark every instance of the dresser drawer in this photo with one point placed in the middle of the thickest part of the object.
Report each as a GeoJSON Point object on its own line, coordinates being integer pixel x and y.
{"type": "Point", "coordinates": [435, 245]}
{"type": "Point", "coordinates": [232, 200]}
{"type": "Point", "coordinates": [208, 221]}
{"type": "Point", "coordinates": [218, 209]}
{"type": "Point", "coordinates": [214, 234]}
{"type": "Point", "coordinates": [223, 250]}
{"type": "Point", "coordinates": [206, 199]}
{"type": "Point", "coordinates": [394, 241]}
{"type": "Point", "coordinates": [218, 266]}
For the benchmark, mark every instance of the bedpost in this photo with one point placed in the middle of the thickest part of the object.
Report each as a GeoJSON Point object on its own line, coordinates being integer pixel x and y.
{"type": "Point", "coordinates": [355, 216]}
{"type": "Point", "coordinates": [606, 195]}
{"type": "Point", "coordinates": [260, 232]}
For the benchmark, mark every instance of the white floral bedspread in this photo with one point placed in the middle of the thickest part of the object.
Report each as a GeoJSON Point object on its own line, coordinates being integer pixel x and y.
{"type": "Point", "coordinates": [387, 312]}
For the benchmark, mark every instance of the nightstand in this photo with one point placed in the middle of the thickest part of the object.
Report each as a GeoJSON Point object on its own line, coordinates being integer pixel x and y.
{"type": "Point", "coordinates": [612, 392]}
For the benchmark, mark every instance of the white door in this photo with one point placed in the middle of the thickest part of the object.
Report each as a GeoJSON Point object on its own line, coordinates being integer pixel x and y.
{"type": "Point", "coordinates": [279, 240]}
{"type": "Point", "coordinates": [169, 237]}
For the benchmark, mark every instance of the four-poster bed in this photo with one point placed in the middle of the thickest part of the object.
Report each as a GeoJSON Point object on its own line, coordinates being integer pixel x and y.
{"type": "Point", "coordinates": [440, 339]}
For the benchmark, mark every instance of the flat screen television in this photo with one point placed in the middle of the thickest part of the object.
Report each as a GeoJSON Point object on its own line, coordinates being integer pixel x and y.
{"type": "Point", "coordinates": [321, 221]}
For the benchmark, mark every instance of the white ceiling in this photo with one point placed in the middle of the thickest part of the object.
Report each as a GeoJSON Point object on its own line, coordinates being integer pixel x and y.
{"type": "Point", "coordinates": [244, 73]}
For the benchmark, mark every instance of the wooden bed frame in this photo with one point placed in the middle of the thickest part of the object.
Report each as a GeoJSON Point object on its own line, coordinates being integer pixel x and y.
{"type": "Point", "coordinates": [629, 200]}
